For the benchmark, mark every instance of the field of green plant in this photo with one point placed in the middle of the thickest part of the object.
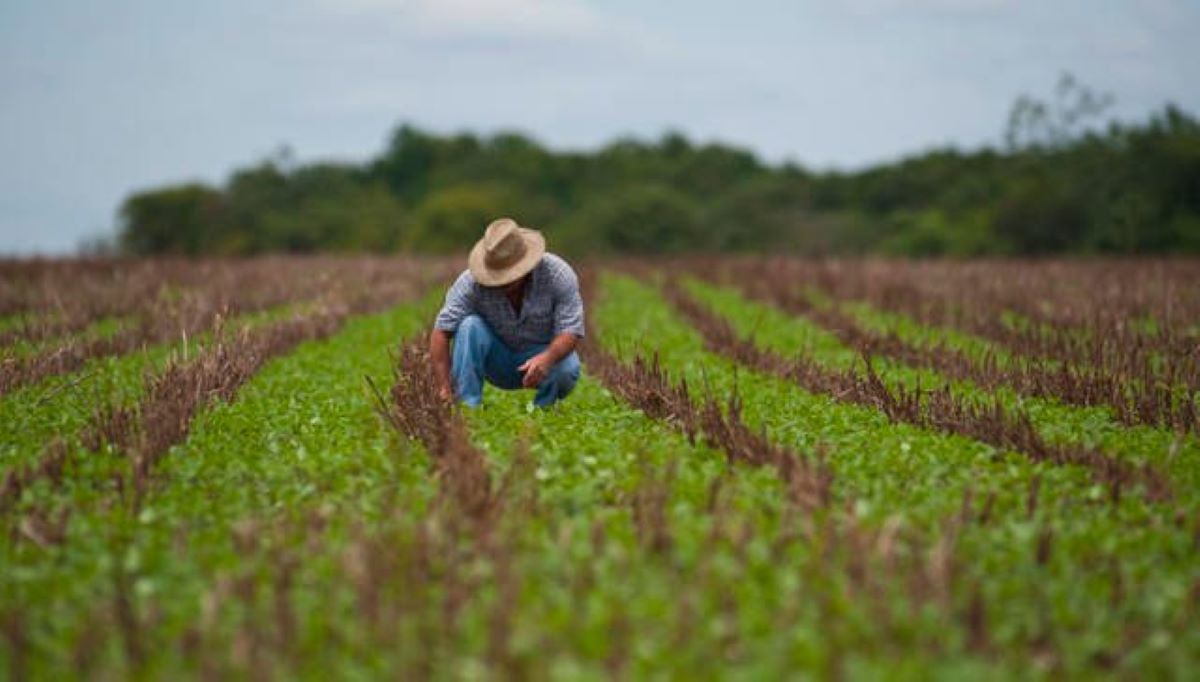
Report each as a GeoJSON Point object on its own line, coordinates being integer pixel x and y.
{"type": "Point", "coordinates": [771, 469]}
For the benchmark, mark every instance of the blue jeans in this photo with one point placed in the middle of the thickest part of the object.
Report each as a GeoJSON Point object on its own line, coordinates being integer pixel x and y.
{"type": "Point", "coordinates": [478, 354]}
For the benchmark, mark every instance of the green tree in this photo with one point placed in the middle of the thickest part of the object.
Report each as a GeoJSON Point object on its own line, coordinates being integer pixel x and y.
{"type": "Point", "coordinates": [407, 163]}
{"type": "Point", "coordinates": [1060, 184]}
{"type": "Point", "coordinates": [643, 219]}
{"type": "Point", "coordinates": [177, 219]}
{"type": "Point", "coordinates": [451, 219]}
{"type": "Point", "coordinates": [352, 218]}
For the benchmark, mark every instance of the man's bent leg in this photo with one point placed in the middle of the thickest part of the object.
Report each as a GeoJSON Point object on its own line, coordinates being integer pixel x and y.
{"type": "Point", "coordinates": [473, 341]}
{"type": "Point", "coordinates": [478, 355]}
{"type": "Point", "coordinates": [500, 367]}
{"type": "Point", "coordinates": [559, 382]}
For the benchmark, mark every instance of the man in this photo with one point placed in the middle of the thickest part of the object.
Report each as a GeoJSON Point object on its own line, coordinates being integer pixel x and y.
{"type": "Point", "coordinates": [515, 315]}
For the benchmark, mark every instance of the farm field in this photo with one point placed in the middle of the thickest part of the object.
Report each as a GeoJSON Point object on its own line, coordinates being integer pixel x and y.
{"type": "Point", "coordinates": [771, 469]}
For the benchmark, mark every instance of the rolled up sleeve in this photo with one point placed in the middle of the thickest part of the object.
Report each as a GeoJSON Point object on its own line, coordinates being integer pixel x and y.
{"type": "Point", "coordinates": [459, 303]}
{"type": "Point", "coordinates": [568, 304]}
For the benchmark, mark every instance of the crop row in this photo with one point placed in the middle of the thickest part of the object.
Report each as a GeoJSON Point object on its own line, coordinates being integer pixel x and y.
{"type": "Point", "coordinates": [144, 431]}
{"type": "Point", "coordinates": [155, 303]}
{"type": "Point", "coordinates": [1134, 320]}
{"type": "Point", "coordinates": [990, 422]}
{"type": "Point", "coordinates": [1138, 393]}
{"type": "Point", "coordinates": [205, 574]}
{"type": "Point", "coordinates": [63, 405]}
{"type": "Point", "coordinates": [656, 510]}
{"type": "Point", "coordinates": [1055, 422]}
{"type": "Point", "coordinates": [896, 469]}
{"type": "Point", "coordinates": [126, 581]}
{"type": "Point", "coordinates": [683, 513]}
{"type": "Point", "coordinates": [33, 295]}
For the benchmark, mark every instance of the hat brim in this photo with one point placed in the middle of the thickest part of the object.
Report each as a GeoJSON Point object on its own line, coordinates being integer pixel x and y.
{"type": "Point", "coordinates": [535, 248]}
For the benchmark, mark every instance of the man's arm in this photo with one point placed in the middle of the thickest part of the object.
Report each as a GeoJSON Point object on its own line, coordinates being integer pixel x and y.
{"type": "Point", "coordinates": [439, 357]}
{"type": "Point", "coordinates": [457, 306]}
{"type": "Point", "coordinates": [561, 347]}
{"type": "Point", "coordinates": [537, 367]}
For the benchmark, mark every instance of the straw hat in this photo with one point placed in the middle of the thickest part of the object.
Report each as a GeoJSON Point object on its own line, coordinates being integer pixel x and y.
{"type": "Point", "coordinates": [506, 253]}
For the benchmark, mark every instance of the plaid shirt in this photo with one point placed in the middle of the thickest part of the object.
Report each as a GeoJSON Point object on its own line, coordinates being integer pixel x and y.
{"type": "Point", "coordinates": [551, 306]}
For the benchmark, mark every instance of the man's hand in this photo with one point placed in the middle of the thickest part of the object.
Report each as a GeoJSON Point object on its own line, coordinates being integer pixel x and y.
{"type": "Point", "coordinates": [536, 368]}
{"type": "Point", "coordinates": [445, 393]}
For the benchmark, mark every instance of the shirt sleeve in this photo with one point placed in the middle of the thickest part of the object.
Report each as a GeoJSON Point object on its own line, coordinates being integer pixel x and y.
{"type": "Point", "coordinates": [459, 303]}
{"type": "Point", "coordinates": [568, 304]}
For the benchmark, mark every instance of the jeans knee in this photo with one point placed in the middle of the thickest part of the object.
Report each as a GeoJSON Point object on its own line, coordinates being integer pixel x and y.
{"type": "Point", "coordinates": [470, 326]}
{"type": "Point", "coordinates": [474, 334]}
{"type": "Point", "coordinates": [571, 366]}
{"type": "Point", "coordinates": [472, 343]}
{"type": "Point", "coordinates": [566, 372]}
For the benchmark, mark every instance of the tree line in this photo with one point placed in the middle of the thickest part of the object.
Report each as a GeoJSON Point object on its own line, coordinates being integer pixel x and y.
{"type": "Point", "coordinates": [1059, 184]}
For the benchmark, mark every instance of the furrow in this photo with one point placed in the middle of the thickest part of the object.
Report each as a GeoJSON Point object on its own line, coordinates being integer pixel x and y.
{"type": "Point", "coordinates": [1170, 453]}
{"type": "Point", "coordinates": [895, 468]}
{"type": "Point", "coordinates": [1109, 315]}
{"type": "Point", "coordinates": [145, 431]}
{"type": "Point", "coordinates": [160, 318]}
{"type": "Point", "coordinates": [299, 450]}
{"type": "Point", "coordinates": [643, 384]}
{"type": "Point", "coordinates": [62, 405]}
{"type": "Point", "coordinates": [1134, 400]}
{"type": "Point", "coordinates": [989, 422]}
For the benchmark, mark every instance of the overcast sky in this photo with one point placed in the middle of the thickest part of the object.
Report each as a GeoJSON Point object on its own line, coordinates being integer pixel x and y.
{"type": "Point", "coordinates": [102, 98]}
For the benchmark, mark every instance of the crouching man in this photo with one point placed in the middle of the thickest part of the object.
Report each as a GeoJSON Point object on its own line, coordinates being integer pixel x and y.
{"type": "Point", "coordinates": [515, 315]}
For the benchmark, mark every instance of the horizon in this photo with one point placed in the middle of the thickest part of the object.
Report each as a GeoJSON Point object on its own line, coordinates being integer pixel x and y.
{"type": "Point", "coordinates": [108, 101]}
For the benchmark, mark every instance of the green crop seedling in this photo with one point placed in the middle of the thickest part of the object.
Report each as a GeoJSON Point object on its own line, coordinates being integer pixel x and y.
{"type": "Point", "coordinates": [770, 469]}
